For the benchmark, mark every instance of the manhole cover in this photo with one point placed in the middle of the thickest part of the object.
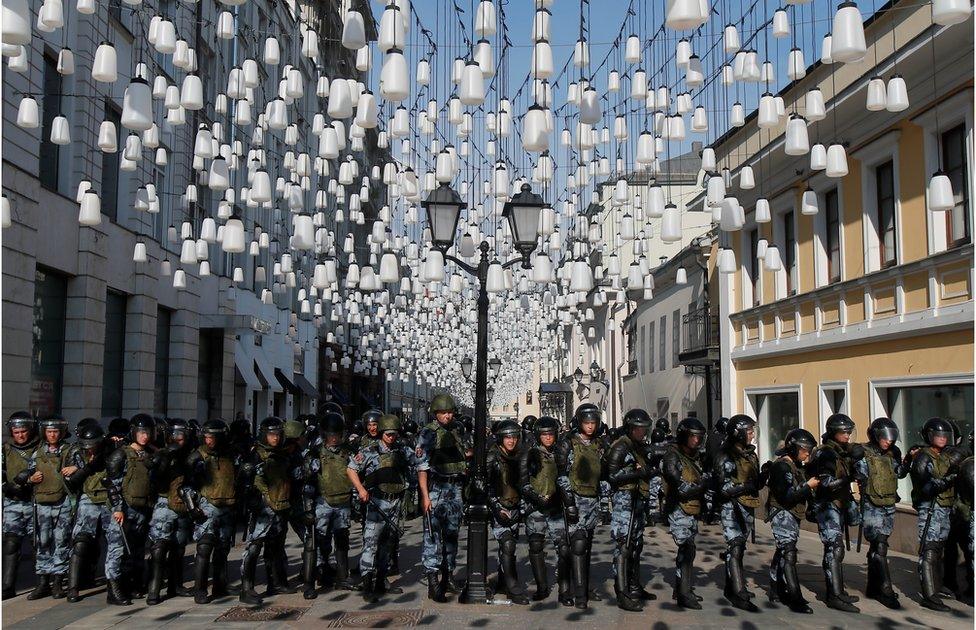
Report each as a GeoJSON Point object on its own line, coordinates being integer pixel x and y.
{"type": "Point", "coordinates": [269, 613]}
{"type": "Point", "coordinates": [374, 619]}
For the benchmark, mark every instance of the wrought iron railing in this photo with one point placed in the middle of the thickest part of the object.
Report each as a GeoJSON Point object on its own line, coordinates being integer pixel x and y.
{"type": "Point", "coordinates": [700, 330]}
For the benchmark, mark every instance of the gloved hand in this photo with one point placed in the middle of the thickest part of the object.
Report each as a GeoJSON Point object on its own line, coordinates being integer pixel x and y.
{"type": "Point", "coordinates": [857, 452]}
{"type": "Point", "coordinates": [572, 515]}
{"type": "Point", "coordinates": [22, 477]}
{"type": "Point", "coordinates": [198, 515]}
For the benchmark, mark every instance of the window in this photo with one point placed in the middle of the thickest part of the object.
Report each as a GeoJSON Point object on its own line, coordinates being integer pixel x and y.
{"type": "Point", "coordinates": [789, 252]}
{"type": "Point", "coordinates": [47, 356]}
{"type": "Point", "coordinates": [954, 166]}
{"type": "Point", "coordinates": [663, 405]}
{"type": "Point", "coordinates": [675, 337]}
{"type": "Point", "coordinates": [161, 390]}
{"type": "Point", "coordinates": [110, 167]}
{"type": "Point", "coordinates": [778, 413]}
{"type": "Point", "coordinates": [650, 347]}
{"type": "Point", "coordinates": [663, 361]}
{"type": "Point", "coordinates": [910, 407]}
{"type": "Point", "coordinates": [632, 353]}
{"type": "Point", "coordinates": [885, 189]}
{"type": "Point", "coordinates": [642, 359]}
{"type": "Point", "coordinates": [113, 362]}
{"type": "Point", "coordinates": [50, 157]}
{"type": "Point", "coordinates": [209, 372]}
{"type": "Point", "coordinates": [832, 244]}
{"type": "Point", "coordinates": [753, 266]}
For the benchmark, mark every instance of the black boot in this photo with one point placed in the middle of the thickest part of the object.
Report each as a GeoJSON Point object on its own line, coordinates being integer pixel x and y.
{"type": "Point", "coordinates": [435, 588]}
{"type": "Point", "coordinates": [157, 567]}
{"type": "Point", "coordinates": [740, 552]}
{"type": "Point", "coordinates": [383, 586]}
{"type": "Point", "coordinates": [776, 576]}
{"type": "Point", "coordinates": [950, 561]}
{"type": "Point", "coordinates": [839, 560]}
{"type": "Point", "coordinates": [735, 581]}
{"type": "Point", "coordinates": [249, 568]}
{"type": "Point", "coordinates": [174, 581]}
{"type": "Point", "coordinates": [564, 573]}
{"type": "Point", "coordinates": [76, 567]}
{"type": "Point", "coordinates": [43, 588]}
{"type": "Point", "coordinates": [395, 558]}
{"type": "Point", "coordinates": [833, 574]}
{"type": "Point", "coordinates": [369, 587]}
{"type": "Point", "coordinates": [880, 575]}
{"type": "Point", "coordinates": [928, 571]}
{"type": "Point", "coordinates": [790, 584]}
{"type": "Point", "coordinates": [590, 592]}
{"type": "Point", "coordinates": [580, 570]}
{"type": "Point", "coordinates": [343, 580]}
{"type": "Point", "coordinates": [620, 586]}
{"type": "Point", "coordinates": [201, 571]}
{"type": "Point", "coordinates": [506, 558]}
{"type": "Point", "coordinates": [635, 585]}
{"type": "Point", "coordinates": [537, 560]}
{"type": "Point", "coordinates": [221, 583]}
{"type": "Point", "coordinates": [115, 596]}
{"type": "Point", "coordinates": [966, 595]}
{"type": "Point", "coordinates": [685, 565]}
{"type": "Point", "coordinates": [276, 563]}
{"type": "Point", "coordinates": [11, 562]}
{"type": "Point", "coordinates": [447, 579]}
{"type": "Point", "coordinates": [57, 586]}
{"type": "Point", "coordinates": [309, 560]}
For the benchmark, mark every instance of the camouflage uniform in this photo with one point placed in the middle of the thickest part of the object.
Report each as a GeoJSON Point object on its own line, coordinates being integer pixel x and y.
{"type": "Point", "coordinates": [505, 502]}
{"type": "Point", "coordinates": [329, 488]}
{"type": "Point", "coordinates": [685, 489]}
{"type": "Point", "coordinates": [53, 510]}
{"type": "Point", "coordinates": [544, 521]}
{"type": "Point", "coordinates": [442, 450]}
{"type": "Point", "coordinates": [130, 491]}
{"type": "Point", "coordinates": [737, 469]}
{"type": "Point", "coordinates": [786, 505]}
{"type": "Point", "coordinates": [18, 509]}
{"type": "Point", "coordinates": [579, 461]}
{"type": "Point", "coordinates": [933, 496]}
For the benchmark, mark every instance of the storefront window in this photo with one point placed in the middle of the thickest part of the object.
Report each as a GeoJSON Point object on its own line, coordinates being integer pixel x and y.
{"type": "Point", "coordinates": [47, 356]}
{"type": "Point", "coordinates": [161, 389]}
{"type": "Point", "coordinates": [778, 413]}
{"type": "Point", "coordinates": [113, 363]}
{"type": "Point", "coordinates": [910, 407]}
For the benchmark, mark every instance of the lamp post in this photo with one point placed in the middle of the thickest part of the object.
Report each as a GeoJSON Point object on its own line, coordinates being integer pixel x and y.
{"type": "Point", "coordinates": [443, 207]}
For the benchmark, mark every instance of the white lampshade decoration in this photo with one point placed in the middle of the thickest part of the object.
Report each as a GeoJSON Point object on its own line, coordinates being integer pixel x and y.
{"type": "Point", "coordinates": [685, 15]}
{"type": "Point", "coordinates": [590, 110]}
{"type": "Point", "coordinates": [671, 224]}
{"type": "Point", "coordinates": [848, 44]}
{"type": "Point", "coordinates": [944, 12]}
{"type": "Point", "coordinates": [836, 161]}
{"type": "Point", "coordinates": [809, 205]}
{"type": "Point", "coordinates": [797, 137]}
{"type": "Point", "coordinates": [814, 105]}
{"type": "Point", "coordinates": [681, 276]}
{"type": "Point", "coordinates": [796, 67]}
{"type": "Point", "coordinates": [763, 214]}
{"type": "Point", "coordinates": [632, 49]}
{"type": "Point", "coordinates": [16, 22]}
{"type": "Point", "coordinates": [897, 94]}
{"type": "Point", "coordinates": [179, 279]}
{"type": "Point", "coordinates": [90, 209]}
{"type": "Point", "coordinates": [137, 110]}
{"type": "Point", "coordinates": [60, 131]}
{"type": "Point", "coordinates": [472, 88]}
{"type": "Point", "coordinates": [731, 42]}
{"type": "Point", "coordinates": [939, 194]}
{"type": "Point", "coordinates": [191, 93]}
{"type": "Point", "coordinates": [28, 114]}
{"type": "Point", "coordinates": [395, 77]}
{"type": "Point", "coordinates": [818, 157]}
{"type": "Point", "coordinates": [877, 94]}
{"type": "Point", "coordinates": [108, 140]}
{"type": "Point", "coordinates": [139, 253]}
{"type": "Point", "coordinates": [392, 32]}
{"type": "Point", "coordinates": [781, 24]}
{"type": "Point", "coordinates": [66, 61]}
{"type": "Point", "coordinates": [826, 48]}
{"type": "Point", "coordinates": [726, 261]}
{"type": "Point", "coordinates": [234, 238]}
{"type": "Point", "coordinates": [105, 64]}
{"type": "Point", "coordinates": [772, 260]}
{"type": "Point", "coordinates": [353, 30]}
{"type": "Point", "coordinates": [747, 179]}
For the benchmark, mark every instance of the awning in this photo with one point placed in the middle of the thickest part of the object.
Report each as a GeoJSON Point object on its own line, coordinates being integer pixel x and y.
{"type": "Point", "coordinates": [244, 364]}
{"type": "Point", "coordinates": [265, 373]}
{"type": "Point", "coordinates": [287, 384]}
{"type": "Point", "coordinates": [305, 385]}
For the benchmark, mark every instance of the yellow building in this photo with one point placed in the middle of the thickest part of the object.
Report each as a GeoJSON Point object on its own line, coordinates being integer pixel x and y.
{"type": "Point", "coordinates": [870, 312]}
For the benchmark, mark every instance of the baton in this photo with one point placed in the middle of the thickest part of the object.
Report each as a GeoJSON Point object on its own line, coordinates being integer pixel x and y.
{"type": "Point", "coordinates": [125, 541]}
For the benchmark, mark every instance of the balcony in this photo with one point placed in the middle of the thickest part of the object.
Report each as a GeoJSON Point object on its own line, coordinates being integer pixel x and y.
{"type": "Point", "coordinates": [701, 338]}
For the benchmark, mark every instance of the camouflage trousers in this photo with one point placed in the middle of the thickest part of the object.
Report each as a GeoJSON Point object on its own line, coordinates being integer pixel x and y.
{"type": "Point", "coordinates": [378, 537]}
{"type": "Point", "coordinates": [329, 518]}
{"type": "Point", "coordinates": [938, 525]}
{"type": "Point", "coordinates": [786, 533]}
{"type": "Point", "coordinates": [166, 525]}
{"type": "Point", "coordinates": [441, 543]}
{"type": "Point", "coordinates": [683, 527]}
{"type": "Point", "coordinates": [878, 521]}
{"type": "Point", "coordinates": [830, 521]}
{"type": "Point", "coordinates": [738, 521]}
{"type": "Point", "coordinates": [218, 524]}
{"type": "Point", "coordinates": [552, 527]}
{"type": "Point", "coordinates": [117, 560]}
{"type": "Point", "coordinates": [625, 504]}
{"type": "Point", "coordinates": [53, 550]}
{"type": "Point", "coordinates": [18, 517]}
{"type": "Point", "coordinates": [589, 514]}
{"type": "Point", "coordinates": [91, 517]}
{"type": "Point", "coordinates": [654, 500]}
{"type": "Point", "coordinates": [264, 525]}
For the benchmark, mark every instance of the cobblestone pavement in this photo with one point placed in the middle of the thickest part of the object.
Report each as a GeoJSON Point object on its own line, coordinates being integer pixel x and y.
{"type": "Point", "coordinates": [347, 610]}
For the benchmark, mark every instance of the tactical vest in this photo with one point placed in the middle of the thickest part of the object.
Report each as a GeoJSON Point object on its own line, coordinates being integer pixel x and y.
{"type": "Point", "coordinates": [585, 473]}
{"type": "Point", "coordinates": [964, 495]}
{"type": "Point", "coordinates": [544, 481]}
{"type": "Point", "coordinates": [506, 490]}
{"type": "Point", "coordinates": [388, 477]}
{"type": "Point", "coordinates": [940, 468]}
{"type": "Point", "coordinates": [274, 483]}
{"type": "Point", "coordinates": [51, 491]}
{"type": "Point", "coordinates": [746, 469]}
{"type": "Point", "coordinates": [641, 485]}
{"type": "Point", "coordinates": [800, 509]}
{"type": "Point", "coordinates": [172, 488]}
{"type": "Point", "coordinates": [333, 483]}
{"type": "Point", "coordinates": [882, 484]}
{"type": "Point", "coordinates": [136, 487]}
{"type": "Point", "coordinates": [16, 460]}
{"type": "Point", "coordinates": [366, 441]}
{"type": "Point", "coordinates": [447, 455]}
{"type": "Point", "coordinates": [221, 479]}
{"type": "Point", "coordinates": [97, 493]}
{"type": "Point", "coordinates": [690, 473]}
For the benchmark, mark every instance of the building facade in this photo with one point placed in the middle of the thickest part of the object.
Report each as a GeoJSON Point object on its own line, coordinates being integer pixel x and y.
{"type": "Point", "coordinates": [869, 310]}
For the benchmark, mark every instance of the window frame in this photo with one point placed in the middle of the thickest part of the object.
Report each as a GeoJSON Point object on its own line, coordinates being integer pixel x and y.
{"type": "Point", "coordinates": [880, 196]}
{"type": "Point", "coordinates": [752, 406]}
{"type": "Point", "coordinates": [790, 252]}
{"type": "Point", "coordinates": [663, 341]}
{"type": "Point", "coordinates": [872, 155]}
{"type": "Point", "coordinates": [650, 346]}
{"type": "Point", "coordinates": [966, 201]}
{"type": "Point", "coordinates": [50, 111]}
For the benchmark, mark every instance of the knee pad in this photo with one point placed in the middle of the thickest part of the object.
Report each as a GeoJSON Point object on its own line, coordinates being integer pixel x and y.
{"type": "Point", "coordinates": [536, 543]}
{"type": "Point", "coordinates": [159, 547]}
{"type": "Point", "coordinates": [882, 545]}
{"type": "Point", "coordinates": [341, 537]}
{"type": "Point", "coordinates": [562, 550]}
{"type": "Point", "coordinates": [205, 546]}
{"type": "Point", "coordinates": [580, 543]}
{"type": "Point", "coordinates": [738, 541]}
{"type": "Point", "coordinates": [789, 554]}
{"type": "Point", "coordinates": [11, 544]}
{"type": "Point", "coordinates": [507, 545]}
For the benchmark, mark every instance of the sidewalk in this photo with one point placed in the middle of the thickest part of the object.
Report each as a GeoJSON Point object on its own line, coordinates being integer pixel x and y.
{"type": "Point", "coordinates": [347, 610]}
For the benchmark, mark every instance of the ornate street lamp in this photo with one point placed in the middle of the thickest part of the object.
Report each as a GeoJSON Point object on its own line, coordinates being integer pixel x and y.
{"type": "Point", "coordinates": [466, 366]}
{"type": "Point", "coordinates": [494, 366]}
{"type": "Point", "coordinates": [522, 213]}
{"type": "Point", "coordinates": [443, 207]}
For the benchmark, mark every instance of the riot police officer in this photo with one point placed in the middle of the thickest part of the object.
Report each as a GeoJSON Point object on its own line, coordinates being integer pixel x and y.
{"type": "Point", "coordinates": [877, 475]}
{"type": "Point", "coordinates": [94, 515]}
{"type": "Point", "coordinates": [18, 511]}
{"type": "Point", "coordinates": [544, 519]}
{"type": "Point", "coordinates": [933, 495]}
{"type": "Point", "coordinates": [964, 516]}
{"type": "Point", "coordinates": [528, 433]}
{"type": "Point", "coordinates": [685, 490]}
{"type": "Point", "coordinates": [170, 526]}
{"type": "Point", "coordinates": [128, 475]}
{"type": "Point", "coordinates": [443, 448]}
{"type": "Point", "coordinates": [505, 502]}
{"type": "Point", "coordinates": [370, 419]}
{"type": "Point", "coordinates": [330, 490]}
{"type": "Point", "coordinates": [736, 468]}
{"type": "Point", "coordinates": [629, 473]}
{"type": "Point", "coordinates": [786, 506]}
{"type": "Point", "coordinates": [210, 493]}
{"type": "Point", "coordinates": [50, 465]}
{"type": "Point", "coordinates": [379, 475]}
{"type": "Point", "coordinates": [579, 462]}
{"type": "Point", "coordinates": [272, 465]}
{"type": "Point", "coordinates": [833, 462]}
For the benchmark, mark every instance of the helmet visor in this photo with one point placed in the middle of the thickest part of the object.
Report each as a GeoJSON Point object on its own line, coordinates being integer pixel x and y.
{"type": "Point", "coordinates": [887, 433]}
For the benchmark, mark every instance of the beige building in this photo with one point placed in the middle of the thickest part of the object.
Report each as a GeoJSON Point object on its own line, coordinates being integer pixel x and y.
{"type": "Point", "coordinates": [871, 312]}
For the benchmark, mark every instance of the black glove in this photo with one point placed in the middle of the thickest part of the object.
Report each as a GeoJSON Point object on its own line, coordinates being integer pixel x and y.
{"type": "Point", "coordinates": [22, 477]}
{"type": "Point", "coordinates": [949, 480]}
{"type": "Point", "coordinates": [572, 515]}
{"type": "Point", "coordinates": [895, 453]}
{"type": "Point", "coordinates": [198, 515]}
{"type": "Point", "coordinates": [856, 452]}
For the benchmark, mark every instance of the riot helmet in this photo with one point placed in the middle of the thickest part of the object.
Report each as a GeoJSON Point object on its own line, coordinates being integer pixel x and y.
{"type": "Point", "coordinates": [882, 429]}
{"type": "Point", "coordinates": [936, 427]}
{"type": "Point", "coordinates": [689, 427]}
{"type": "Point", "coordinates": [738, 427]}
